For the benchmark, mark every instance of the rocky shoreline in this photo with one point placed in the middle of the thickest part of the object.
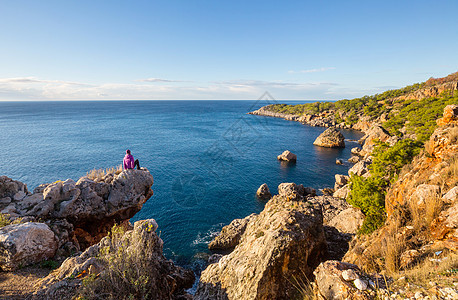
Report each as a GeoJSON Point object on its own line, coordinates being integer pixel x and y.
{"type": "Point", "coordinates": [300, 246]}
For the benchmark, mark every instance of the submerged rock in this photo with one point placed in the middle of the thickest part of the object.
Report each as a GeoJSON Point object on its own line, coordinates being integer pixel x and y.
{"type": "Point", "coordinates": [330, 138]}
{"type": "Point", "coordinates": [287, 156]}
{"type": "Point", "coordinates": [285, 241]}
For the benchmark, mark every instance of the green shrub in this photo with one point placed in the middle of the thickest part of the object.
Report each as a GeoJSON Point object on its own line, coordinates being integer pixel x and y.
{"type": "Point", "coordinates": [4, 221]}
{"type": "Point", "coordinates": [368, 194]}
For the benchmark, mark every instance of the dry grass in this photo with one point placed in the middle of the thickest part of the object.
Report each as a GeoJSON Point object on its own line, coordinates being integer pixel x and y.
{"type": "Point", "coordinates": [304, 287]}
{"type": "Point", "coordinates": [394, 244]}
{"type": "Point", "coordinates": [98, 174]}
{"type": "Point", "coordinates": [437, 268]}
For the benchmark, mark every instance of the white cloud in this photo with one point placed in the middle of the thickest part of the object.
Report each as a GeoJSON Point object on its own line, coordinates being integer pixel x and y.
{"type": "Point", "coordinates": [312, 70]}
{"type": "Point", "coordinates": [158, 80]}
{"type": "Point", "coordinates": [32, 88]}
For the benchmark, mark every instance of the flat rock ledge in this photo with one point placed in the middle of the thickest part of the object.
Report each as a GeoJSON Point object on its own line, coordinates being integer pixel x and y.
{"type": "Point", "coordinates": [330, 138]}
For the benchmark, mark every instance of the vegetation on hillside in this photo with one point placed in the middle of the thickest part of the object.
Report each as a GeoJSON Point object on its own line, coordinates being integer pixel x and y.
{"type": "Point", "coordinates": [404, 117]}
{"type": "Point", "coordinates": [368, 194]}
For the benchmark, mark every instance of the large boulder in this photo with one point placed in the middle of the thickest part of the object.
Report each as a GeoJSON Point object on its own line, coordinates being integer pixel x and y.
{"type": "Point", "coordinates": [340, 280]}
{"type": "Point", "coordinates": [372, 135]}
{"type": "Point", "coordinates": [348, 220]}
{"type": "Point", "coordinates": [285, 241]}
{"type": "Point", "coordinates": [331, 138]}
{"type": "Point", "coordinates": [142, 246]}
{"type": "Point", "coordinates": [287, 156]}
{"type": "Point", "coordinates": [230, 235]}
{"type": "Point", "coordinates": [263, 192]}
{"type": "Point", "coordinates": [25, 244]}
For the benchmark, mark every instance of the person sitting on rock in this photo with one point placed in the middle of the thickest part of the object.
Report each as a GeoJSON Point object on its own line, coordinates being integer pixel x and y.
{"type": "Point", "coordinates": [128, 161]}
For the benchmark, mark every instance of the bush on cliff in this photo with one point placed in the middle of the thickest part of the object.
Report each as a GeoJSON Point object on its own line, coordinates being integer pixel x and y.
{"type": "Point", "coordinates": [127, 273]}
{"type": "Point", "coordinates": [369, 193]}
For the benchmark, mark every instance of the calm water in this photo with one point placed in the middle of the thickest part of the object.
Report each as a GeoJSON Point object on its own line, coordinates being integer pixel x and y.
{"type": "Point", "coordinates": [207, 157]}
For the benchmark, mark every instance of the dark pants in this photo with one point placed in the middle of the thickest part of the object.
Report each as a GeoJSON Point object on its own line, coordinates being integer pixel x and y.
{"type": "Point", "coordinates": [136, 163]}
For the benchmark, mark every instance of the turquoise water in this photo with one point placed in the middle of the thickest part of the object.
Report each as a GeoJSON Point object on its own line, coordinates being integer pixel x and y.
{"type": "Point", "coordinates": [207, 157]}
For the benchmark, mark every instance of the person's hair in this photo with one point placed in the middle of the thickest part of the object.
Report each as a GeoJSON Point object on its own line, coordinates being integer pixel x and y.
{"type": "Point", "coordinates": [128, 151]}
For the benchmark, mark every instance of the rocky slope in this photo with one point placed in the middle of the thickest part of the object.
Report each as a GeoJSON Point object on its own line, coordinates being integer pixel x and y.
{"type": "Point", "coordinates": [137, 253]}
{"type": "Point", "coordinates": [66, 216]}
{"type": "Point", "coordinates": [279, 247]}
{"type": "Point", "coordinates": [285, 241]}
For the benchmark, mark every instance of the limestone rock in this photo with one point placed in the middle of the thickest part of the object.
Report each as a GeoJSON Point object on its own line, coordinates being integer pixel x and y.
{"type": "Point", "coordinates": [360, 284]}
{"type": "Point", "coordinates": [349, 275]}
{"type": "Point", "coordinates": [328, 278]}
{"type": "Point", "coordinates": [360, 168]}
{"type": "Point", "coordinates": [263, 192]}
{"type": "Point", "coordinates": [408, 258]}
{"type": "Point", "coordinates": [291, 191]}
{"type": "Point", "coordinates": [25, 244]}
{"type": "Point", "coordinates": [230, 235]}
{"type": "Point", "coordinates": [348, 220]}
{"type": "Point", "coordinates": [343, 192]}
{"type": "Point", "coordinates": [446, 224]}
{"type": "Point", "coordinates": [373, 134]}
{"type": "Point", "coordinates": [423, 192]}
{"type": "Point", "coordinates": [451, 195]}
{"type": "Point", "coordinates": [356, 151]}
{"type": "Point", "coordinates": [341, 180]}
{"type": "Point", "coordinates": [287, 156]}
{"type": "Point", "coordinates": [354, 159]}
{"type": "Point", "coordinates": [450, 115]}
{"type": "Point", "coordinates": [331, 138]}
{"type": "Point", "coordinates": [339, 162]}
{"type": "Point", "coordinates": [285, 241]}
{"type": "Point", "coordinates": [90, 207]}
{"type": "Point", "coordinates": [168, 280]}
{"type": "Point", "coordinates": [331, 206]}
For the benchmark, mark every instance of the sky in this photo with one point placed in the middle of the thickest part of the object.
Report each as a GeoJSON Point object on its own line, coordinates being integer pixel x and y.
{"type": "Point", "coordinates": [180, 50]}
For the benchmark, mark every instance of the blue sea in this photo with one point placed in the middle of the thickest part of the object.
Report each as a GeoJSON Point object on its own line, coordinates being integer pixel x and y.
{"type": "Point", "coordinates": [207, 157]}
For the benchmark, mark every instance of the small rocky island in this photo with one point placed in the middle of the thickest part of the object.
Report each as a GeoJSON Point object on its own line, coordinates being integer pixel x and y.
{"type": "Point", "coordinates": [330, 138]}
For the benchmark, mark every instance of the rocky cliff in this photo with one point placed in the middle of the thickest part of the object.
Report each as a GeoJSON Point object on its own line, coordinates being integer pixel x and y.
{"type": "Point", "coordinates": [67, 216]}
{"type": "Point", "coordinates": [283, 243]}
{"type": "Point", "coordinates": [276, 250]}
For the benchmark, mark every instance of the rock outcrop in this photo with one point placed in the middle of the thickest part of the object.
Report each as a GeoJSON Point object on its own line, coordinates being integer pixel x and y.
{"type": "Point", "coordinates": [287, 156]}
{"type": "Point", "coordinates": [79, 213]}
{"type": "Point", "coordinates": [340, 280]}
{"type": "Point", "coordinates": [285, 241]}
{"type": "Point", "coordinates": [165, 280]}
{"type": "Point", "coordinates": [230, 235]}
{"type": "Point", "coordinates": [330, 138]}
{"type": "Point", "coordinates": [263, 192]}
{"type": "Point", "coordinates": [25, 244]}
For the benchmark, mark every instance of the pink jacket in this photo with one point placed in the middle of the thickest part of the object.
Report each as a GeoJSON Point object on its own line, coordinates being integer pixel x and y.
{"type": "Point", "coordinates": [128, 162]}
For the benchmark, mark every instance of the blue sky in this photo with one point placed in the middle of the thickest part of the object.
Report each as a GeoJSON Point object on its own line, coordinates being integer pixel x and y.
{"type": "Point", "coordinates": [296, 50]}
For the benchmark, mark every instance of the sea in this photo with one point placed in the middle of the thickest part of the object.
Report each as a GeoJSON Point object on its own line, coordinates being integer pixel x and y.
{"type": "Point", "coordinates": [208, 158]}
